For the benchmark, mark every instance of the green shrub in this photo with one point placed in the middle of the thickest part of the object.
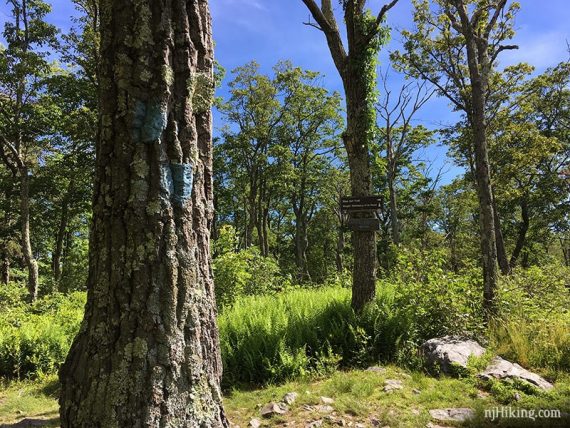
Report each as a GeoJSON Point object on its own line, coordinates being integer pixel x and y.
{"type": "Point", "coordinates": [242, 272]}
{"type": "Point", "coordinates": [34, 339]}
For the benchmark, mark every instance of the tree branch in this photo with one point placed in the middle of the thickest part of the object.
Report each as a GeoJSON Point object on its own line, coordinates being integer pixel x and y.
{"type": "Point", "coordinates": [502, 48]}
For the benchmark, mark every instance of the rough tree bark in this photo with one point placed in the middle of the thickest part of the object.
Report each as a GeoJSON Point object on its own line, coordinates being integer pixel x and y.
{"type": "Point", "coordinates": [147, 353]}
{"type": "Point", "coordinates": [352, 68]}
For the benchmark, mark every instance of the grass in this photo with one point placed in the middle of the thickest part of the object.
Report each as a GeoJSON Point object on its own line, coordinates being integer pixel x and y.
{"type": "Point", "coordinates": [358, 396]}
{"type": "Point", "coordinates": [21, 400]}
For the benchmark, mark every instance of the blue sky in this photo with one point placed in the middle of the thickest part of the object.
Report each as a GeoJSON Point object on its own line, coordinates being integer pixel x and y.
{"type": "Point", "coordinates": [272, 30]}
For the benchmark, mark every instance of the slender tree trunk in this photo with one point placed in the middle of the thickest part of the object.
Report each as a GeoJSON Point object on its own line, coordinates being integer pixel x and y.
{"type": "Point", "coordinates": [147, 354]}
{"type": "Point", "coordinates": [339, 259]}
{"type": "Point", "coordinates": [301, 244]}
{"type": "Point", "coordinates": [4, 266]}
{"type": "Point", "coordinates": [56, 258]}
{"type": "Point", "coordinates": [500, 242]}
{"type": "Point", "coordinates": [478, 61]}
{"type": "Point", "coordinates": [523, 229]}
{"type": "Point", "coordinates": [394, 220]}
{"type": "Point", "coordinates": [29, 259]}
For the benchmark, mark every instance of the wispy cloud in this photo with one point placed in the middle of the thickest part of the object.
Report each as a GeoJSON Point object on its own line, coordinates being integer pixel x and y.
{"type": "Point", "coordinates": [539, 49]}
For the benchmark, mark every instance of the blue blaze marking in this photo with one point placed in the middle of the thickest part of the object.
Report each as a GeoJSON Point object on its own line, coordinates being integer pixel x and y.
{"type": "Point", "coordinates": [182, 177]}
{"type": "Point", "coordinates": [149, 121]}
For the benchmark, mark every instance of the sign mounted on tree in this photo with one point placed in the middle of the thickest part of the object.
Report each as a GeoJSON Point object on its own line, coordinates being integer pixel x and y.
{"type": "Point", "coordinates": [361, 203]}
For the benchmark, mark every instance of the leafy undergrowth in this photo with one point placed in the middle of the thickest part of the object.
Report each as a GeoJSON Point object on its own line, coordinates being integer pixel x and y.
{"type": "Point", "coordinates": [358, 396]}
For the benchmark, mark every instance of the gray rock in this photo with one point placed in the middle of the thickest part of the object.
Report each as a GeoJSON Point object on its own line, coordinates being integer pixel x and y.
{"type": "Point", "coordinates": [254, 423]}
{"type": "Point", "coordinates": [327, 400]}
{"type": "Point", "coordinates": [448, 351]}
{"type": "Point", "coordinates": [290, 398]}
{"type": "Point", "coordinates": [324, 408]}
{"type": "Point", "coordinates": [272, 409]}
{"type": "Point", "coordinates": [314, 424]}
{"type": "Point", "coordinates": [460, 414]}
{"type": "Point", "coordinates": [392, 385]}
{"type": "Point", "coordinates": [376, 369]}
{"type": "Point", "coordinates": [503, 369]}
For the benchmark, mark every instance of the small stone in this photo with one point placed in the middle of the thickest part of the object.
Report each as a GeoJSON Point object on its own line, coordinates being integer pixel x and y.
{"type": "Point", "coordinates": [314, 424]}
{"type": "Point", "coordinates": [324, 408]}
{"type": "Point", "coordinates": [482, 394]}
{"type": "Point", "coordinates": [374, 422]}
{"type": "Point", "coordinates": [272, 409]}
{"type": "Point", "coordinates": [517, 396]}
{"type": "Point", "coordinates": [416, 411]}
{"type": "Point", "coordinates": [327, 400]}
{"type": "Point", "coordinates": [416, 391]}
{"type": "Point", "coordinates": [376, 369]}
{"type": "Point", "coordinates": [456, 414]}
{"type": "Point", "coordinates": [359, 425]}
{"type": "Point", "coordinates": [254, 423]}
{"type": "Point", "coordinates": [392, 385]}
{"type": "Point", "coordinates": [290, 397]}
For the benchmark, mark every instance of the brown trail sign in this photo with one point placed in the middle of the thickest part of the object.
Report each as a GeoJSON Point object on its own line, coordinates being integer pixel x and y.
{"type": "Point", "coordinates": [361, 204]}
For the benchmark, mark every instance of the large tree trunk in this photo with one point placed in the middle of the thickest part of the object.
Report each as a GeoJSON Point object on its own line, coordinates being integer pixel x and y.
{"type": "Point", "coordinates": [363, 243]}
{"type": "Point", "coordinates": [147, 354]}
{"type": "Point", "coordinates": [523, 229]}
{"type": "Point", "coordinates": [29, 259]}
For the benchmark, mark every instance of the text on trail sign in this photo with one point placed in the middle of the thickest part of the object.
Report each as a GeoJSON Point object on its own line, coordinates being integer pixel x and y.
{"type": "Point", "coordinates": [362, 203]}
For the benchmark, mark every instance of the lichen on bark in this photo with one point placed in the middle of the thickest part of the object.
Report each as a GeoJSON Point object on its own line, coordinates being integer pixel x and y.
{"type": "Point", "coordinates": [147, 354]}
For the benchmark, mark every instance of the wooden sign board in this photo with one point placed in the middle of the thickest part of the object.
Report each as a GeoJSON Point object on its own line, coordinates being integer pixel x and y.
{"type": "Point", "coordinates": [363, 203]}
{"type": "Point", "coordinates": [364, 224]}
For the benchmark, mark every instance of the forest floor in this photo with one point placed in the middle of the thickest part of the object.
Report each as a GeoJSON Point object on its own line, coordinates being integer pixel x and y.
{"type": "Point", "coordinates": [357, 398]}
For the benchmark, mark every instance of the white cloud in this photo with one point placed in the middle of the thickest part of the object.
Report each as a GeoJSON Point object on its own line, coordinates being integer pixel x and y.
{"type": "Point", "coordinates": [541, 50]}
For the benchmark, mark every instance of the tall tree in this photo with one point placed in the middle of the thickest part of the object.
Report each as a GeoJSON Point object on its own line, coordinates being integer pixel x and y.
{"type": "Point", "coordinates": [24, 107]}
{"type": "Point", "coordinates": [456, 47]}
{"type": "Point", "coordinates": [399, 138]}
{"type": "Point", "coordinates": [147, 353]}
{"type": "Point", "coordinates": [356, 65]}
{"type": "Point", "coordinates": [307, 138]}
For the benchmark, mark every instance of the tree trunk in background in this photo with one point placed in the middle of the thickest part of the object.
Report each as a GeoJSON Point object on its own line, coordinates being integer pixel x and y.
{"type": "Point", "coordinates": [340, 251]}
{"type": "Point", "coordinates": [147, 354]}
{"type": "Point", "coordinates": [29, 259]}
{"type": "Point", "coordinates": [479, 69]}
{"type": "Point", "coordinates": [354, 66]}
{"type": "Point", "coordinates": [500, 242]}
{"type": "Point", "coordinates": [4, 266]}
{"type": "Point", "coordinates": [301, 244]}
{"type": "Point", "coordinates": [56, 257]}
{"type": "Point", "coordinates": [523, 229]}
{"type": "Point", "coordinates": [394, 220]}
